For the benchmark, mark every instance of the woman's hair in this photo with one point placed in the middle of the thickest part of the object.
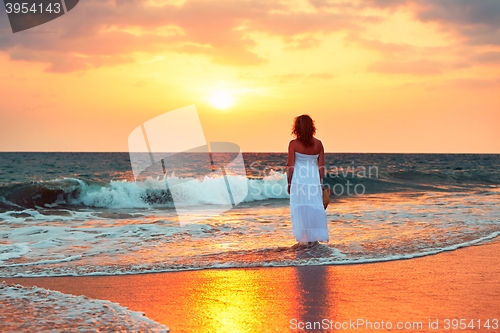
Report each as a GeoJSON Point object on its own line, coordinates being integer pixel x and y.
{"type": "Point", "coordinates": [304, 130]}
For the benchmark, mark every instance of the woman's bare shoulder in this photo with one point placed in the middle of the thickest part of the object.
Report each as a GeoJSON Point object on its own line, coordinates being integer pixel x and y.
{"type": "Point", "coordinates": [318, 142]}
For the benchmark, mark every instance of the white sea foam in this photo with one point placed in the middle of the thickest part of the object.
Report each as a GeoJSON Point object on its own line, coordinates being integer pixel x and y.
{"type": "Point", "coordinates": [54, 311]}
{"type": "Point", "coordinates": [44, 262]}
{"type": "Point", "coordinates": [12, 251]}
{"type": "Point", "coordinates": [35, 215]}
{"type": "Point", "coordinates": [362, 229]}
{"type": "Point", "coordinates": [206, 191]}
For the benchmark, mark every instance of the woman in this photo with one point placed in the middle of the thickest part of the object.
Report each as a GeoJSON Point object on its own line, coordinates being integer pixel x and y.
{"type": "Point", "coordinates": [305, 172]}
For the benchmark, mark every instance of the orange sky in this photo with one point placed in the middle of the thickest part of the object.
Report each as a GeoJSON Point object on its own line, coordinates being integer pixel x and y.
{"type": "Point", "coordinates": [376, 75]}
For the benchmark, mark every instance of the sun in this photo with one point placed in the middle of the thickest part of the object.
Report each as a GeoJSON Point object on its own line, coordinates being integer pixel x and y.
{"type": "Point", "coordinates": [221, 99]}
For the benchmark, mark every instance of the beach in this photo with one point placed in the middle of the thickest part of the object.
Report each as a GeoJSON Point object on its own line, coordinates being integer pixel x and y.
{"type": "Point", "coordinates": [416, 252]}
{"type": "Point", "coordinates": [424, 294]}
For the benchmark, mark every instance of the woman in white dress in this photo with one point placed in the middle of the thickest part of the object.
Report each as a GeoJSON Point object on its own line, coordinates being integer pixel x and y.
{"type": "Point", "coordinates": [305, 172]}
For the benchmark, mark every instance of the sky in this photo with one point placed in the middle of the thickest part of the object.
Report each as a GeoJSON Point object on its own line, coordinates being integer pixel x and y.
{"type": "Point", "coordinates": [376, 75]}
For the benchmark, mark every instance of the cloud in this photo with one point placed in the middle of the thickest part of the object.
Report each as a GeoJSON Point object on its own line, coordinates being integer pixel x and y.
{"type": "Point", "coordinates": [386, 3]}
{"type": "Point", "coordinates": [477, 22]}
{"type": "Point", "coordinates": [417, 67]}
{"type": "Point", "coordinates": [385, 48]}
{"type": "Point", "coordinates": [468, 25]}
{"type": "Point", "coordinates": [488, 57]}
{"type": "Point", "coordinates": [302, 78]}
{"type": "Point", "coordinates": [302, 42]}
{"type": "Point", "coordinates": [473, 83]}
{"type": "Point", "coordinates": [97, 32]}
{"type": "Point", "coordinates": [290, 78]}
{"type": "Point", "coordinates": [60, 63]}
{"type": "Point", "coordinates": [85, 39]}
{"type": "Point", "coordinates": [325, 76]}
{"type": "Point", "coordinates": [110, 32]}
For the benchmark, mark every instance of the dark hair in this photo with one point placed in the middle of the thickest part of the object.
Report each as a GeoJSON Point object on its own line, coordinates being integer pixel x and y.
{"type": "Point", "coordinates": [304, 130]}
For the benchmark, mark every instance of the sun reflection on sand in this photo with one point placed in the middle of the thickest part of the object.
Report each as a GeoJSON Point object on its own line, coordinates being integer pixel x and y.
{"type": "Point", "coordinates": [460, 284]}
{"type": "Point", "coordinates": [238, 301]}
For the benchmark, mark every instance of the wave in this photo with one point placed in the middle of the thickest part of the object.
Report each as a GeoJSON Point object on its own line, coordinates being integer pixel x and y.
{"type": "Point", "coordinates": [212, 190]}
{"type": "Point", "coordinates": [319, 254]}
{"type": "Point", "coordinates": [404, 180]}
{"type": "Point", "coordinates": [149, 193]}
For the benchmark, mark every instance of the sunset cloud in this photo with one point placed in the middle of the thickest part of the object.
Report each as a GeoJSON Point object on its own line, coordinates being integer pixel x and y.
{"type": "Point", "coordinates": [475, 83]}
{"type": "Point", "coordinates": [217, 29]}
{"type": "Point", "coordinates": [229, 33]}
{"type": "Point", "coordinates": [99, 32]}
{"type": "Point", "coordinates": [477, 22]}
{"type": "Point", "coordinates": [488, 57]}
{"type": "Point", "coordinates": [419, 67]}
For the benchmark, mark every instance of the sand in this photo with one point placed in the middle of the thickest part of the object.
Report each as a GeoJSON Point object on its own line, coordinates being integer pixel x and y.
{"type": "Point", "coordinates": [425, 294]}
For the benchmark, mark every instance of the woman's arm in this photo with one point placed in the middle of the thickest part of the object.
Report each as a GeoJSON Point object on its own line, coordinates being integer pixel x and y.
{"type": "Point", "coordinates": [290, 163]}
{"type": "Point", "coordinates": [321, 163]}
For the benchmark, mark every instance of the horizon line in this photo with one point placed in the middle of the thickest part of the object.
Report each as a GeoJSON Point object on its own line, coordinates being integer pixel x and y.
{"type": "Point", "coordinates": [261, 152]}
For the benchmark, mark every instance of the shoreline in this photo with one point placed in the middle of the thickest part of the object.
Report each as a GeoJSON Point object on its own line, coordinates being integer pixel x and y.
{"type": "Point", "coordinates": [458, 284]}
{"type": "Point", "coordinates": [491, 238]}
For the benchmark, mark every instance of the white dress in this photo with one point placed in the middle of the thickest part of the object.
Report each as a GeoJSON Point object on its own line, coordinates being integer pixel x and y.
{"type": "Point", "coordinates": [306, 201]}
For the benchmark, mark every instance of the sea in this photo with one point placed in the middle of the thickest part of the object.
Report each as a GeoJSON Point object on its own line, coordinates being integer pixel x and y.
{"type": "Point", "coordinates": [75, 214]}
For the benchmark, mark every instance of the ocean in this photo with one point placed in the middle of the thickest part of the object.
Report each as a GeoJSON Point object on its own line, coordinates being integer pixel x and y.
{"type": "Point", "coordinates": [84, 213]}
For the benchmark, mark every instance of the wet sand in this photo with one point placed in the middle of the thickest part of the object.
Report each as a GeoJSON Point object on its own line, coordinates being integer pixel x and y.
{"type": "Point", "coordinates": [462, 284]}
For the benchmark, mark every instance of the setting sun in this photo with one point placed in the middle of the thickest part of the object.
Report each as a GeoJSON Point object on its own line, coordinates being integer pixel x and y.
{"type": "Point", "coordinates": [221, 99]}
